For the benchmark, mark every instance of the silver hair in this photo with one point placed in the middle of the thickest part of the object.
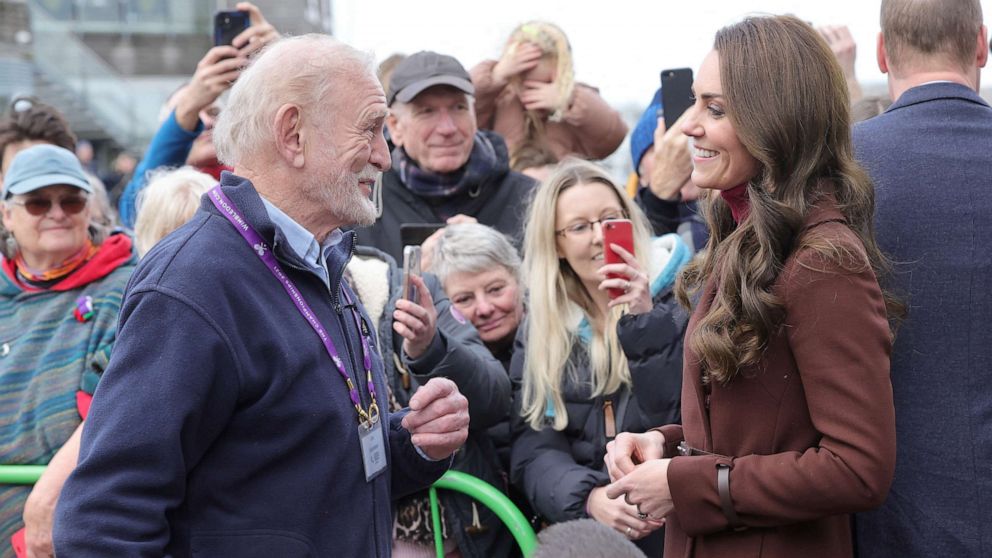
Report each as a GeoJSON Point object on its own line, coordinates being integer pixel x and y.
{"type": "Point", "coordinates": [301, 70]}
{"type": "Point", "coordinates": [473, 248]}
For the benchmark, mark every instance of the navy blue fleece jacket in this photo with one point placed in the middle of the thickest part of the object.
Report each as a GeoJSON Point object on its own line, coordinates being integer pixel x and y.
{"type": "Point", "coordinates": [221, 427]}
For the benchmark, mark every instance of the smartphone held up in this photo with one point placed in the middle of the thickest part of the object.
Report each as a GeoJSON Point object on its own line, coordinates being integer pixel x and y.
{"type": "Point", "coordinates": [676, 94]}
{"type": "Point", "coordinates": [228, 25]}
{"type": "Point", "coordinates": [411, 266]}
{"type": "Point", "coordinates": [621, 233]}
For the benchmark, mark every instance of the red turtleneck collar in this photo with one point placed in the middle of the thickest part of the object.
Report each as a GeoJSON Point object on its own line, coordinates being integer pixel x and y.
{"type": "Point", "coordinates": [738, 200]}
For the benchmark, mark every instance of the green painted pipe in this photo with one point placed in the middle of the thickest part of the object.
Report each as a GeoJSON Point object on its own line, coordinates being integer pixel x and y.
{"type": "Point", "coordinates": [436, 521]}
{"type": "Point", "coordinates": [473, 487]}
{"type": "Point", "coordinates": [490, 497]}
{"type": "Point", "coordinates": [20, 474]}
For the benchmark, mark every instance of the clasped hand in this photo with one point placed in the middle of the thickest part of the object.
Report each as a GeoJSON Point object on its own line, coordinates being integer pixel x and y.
{"type": "Point", "coordinates": [639, 473]}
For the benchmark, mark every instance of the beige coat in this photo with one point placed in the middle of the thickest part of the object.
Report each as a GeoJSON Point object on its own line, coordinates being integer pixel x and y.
{"type": "Point", "coordinates": [590, 129]}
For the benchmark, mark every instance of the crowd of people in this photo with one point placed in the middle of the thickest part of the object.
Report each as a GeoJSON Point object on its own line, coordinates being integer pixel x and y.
{"type": "Point", "coordinates": [225, 350]}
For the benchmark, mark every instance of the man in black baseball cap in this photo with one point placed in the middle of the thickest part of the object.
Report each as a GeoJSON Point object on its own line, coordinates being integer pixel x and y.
{"type": "Point", "coordinates": [444, 167]}
{"type": "Point", "coordinates": [423, 70]}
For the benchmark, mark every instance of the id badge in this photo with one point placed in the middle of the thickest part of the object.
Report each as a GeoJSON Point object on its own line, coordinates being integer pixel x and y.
{"type": "Point", "coordinates": [373, 449]}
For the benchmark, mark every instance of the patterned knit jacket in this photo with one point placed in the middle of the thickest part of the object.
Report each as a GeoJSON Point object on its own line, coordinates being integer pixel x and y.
{"type": "Point", "coordinates": [50, 363]}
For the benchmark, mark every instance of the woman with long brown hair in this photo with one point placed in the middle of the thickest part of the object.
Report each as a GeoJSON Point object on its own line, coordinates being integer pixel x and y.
{"type": "Point", "coordinates": [788, 423]}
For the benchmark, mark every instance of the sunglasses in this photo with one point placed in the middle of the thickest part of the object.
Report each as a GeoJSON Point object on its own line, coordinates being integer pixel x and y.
{"type": "Point", "coordinates": [70, 205]}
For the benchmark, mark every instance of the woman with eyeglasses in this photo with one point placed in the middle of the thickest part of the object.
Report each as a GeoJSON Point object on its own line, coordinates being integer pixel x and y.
{"type": "Point", "coordinates": [588, 366]}
{"type": "Point", "coordinates": [60, 292]}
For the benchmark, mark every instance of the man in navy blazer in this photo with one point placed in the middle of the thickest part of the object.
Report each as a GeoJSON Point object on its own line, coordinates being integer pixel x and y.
{"type": "Point", "coordinates": [930, 156]}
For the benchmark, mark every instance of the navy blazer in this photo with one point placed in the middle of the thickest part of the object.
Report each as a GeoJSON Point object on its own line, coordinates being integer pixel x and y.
{"type": "Point", "coordinates": [930, 157]}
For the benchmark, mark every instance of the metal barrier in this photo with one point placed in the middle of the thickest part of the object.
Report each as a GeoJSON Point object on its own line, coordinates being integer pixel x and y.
{"type": "Point", "coordinates": [490, 497]}
{"type": "Point", "coordinates": [20, 474]}
{"type": "Point", "coordinates": [475, 488]}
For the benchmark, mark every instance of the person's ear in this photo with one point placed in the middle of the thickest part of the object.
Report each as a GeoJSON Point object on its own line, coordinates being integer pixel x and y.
{"type": "Point", "coordinates": [880, 54]}
{"type": "Point", "coordinates": [395, 129]}
{"type": "Point", "coordinates": [983, 47]}
{"type": "Point", "coordinates": [290, 141]}
{"type": "Point", "coordinates": [5, 214]}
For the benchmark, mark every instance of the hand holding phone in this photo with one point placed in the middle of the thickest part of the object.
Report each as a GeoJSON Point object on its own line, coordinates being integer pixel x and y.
{"type": "Point", "coordinates": [621, 233]}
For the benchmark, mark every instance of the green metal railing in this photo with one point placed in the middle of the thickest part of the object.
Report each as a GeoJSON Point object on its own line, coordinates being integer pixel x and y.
{"type": "Point", "coordinates": [490, 497]}
{"type": "Point", "coordinates": [20, 474]}
{"type": "Point", "coordinates": [475, 488]}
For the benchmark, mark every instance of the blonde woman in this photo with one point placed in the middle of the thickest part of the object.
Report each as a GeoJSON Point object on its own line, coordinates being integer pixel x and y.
{"type": "Point", "coordinates": [590, 366]}
{"type": "Point", "coordinates": [167, 203]}
{"type": "Point", "coordinates": [530, 97]}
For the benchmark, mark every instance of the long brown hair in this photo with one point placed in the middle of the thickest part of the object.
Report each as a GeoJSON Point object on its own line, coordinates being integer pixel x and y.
{"type": "Point", "coordinates": [788, 101]}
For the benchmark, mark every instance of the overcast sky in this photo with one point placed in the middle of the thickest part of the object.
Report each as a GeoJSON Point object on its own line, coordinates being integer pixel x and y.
{"type": "Point", "coordinates": [619, 46]}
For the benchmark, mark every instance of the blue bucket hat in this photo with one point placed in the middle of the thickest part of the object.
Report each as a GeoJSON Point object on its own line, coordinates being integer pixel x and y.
{"type": "Point", "coordinates": [40, 166]}
{"type": "Point", "coordinates": [642, 138]}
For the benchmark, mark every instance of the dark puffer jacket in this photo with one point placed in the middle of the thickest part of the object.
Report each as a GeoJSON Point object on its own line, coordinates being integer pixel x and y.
{"type": "Point", "coordinates": [558, 469]}
{"type": "Point", "coordinates": [499, 201]}
{"type": "Point", "coordinates": [457, 354]}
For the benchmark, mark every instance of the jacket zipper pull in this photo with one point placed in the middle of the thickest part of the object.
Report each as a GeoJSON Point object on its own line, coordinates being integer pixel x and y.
{"type": "Point", "coordinates": [611, 424]}
{"type": "Point", "coordinates": [476, 528]}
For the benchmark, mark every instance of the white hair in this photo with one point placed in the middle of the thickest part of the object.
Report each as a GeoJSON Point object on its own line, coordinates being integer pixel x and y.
{"type": "Point", "coordinates": [169, 200]}
{"type": "Point", "coordinates": [473, 248]}
{"type": "Point", "coordinates": [301, 70]}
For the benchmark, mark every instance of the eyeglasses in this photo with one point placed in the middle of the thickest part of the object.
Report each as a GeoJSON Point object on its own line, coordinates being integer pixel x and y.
{"type": "Point", "coordinates": [70, 205]}
{"type": "Point", "coordinates": [582, 228]}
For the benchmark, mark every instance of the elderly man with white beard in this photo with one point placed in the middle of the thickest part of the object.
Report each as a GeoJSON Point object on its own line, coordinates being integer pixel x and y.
{"type": "Point", "coordinates": [244, 409]}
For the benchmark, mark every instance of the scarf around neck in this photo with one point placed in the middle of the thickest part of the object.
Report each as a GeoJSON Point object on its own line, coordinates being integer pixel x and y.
{"type": "Point", "coordinates": [113, 253]}
{"type": "Point", "coordinates": [438, 187]}
{"type": "Point", "coordinates": [72, 263]}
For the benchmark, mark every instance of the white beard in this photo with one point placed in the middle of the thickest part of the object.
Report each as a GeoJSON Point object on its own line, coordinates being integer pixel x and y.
{"type": "Point", "coordinates": [344, 196]}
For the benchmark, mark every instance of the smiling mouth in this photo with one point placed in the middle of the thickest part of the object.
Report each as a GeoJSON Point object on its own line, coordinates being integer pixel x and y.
{"type": "Point", "coordinates": [491, 325]}
{"type": "Point", "coordinates": [700, 153]}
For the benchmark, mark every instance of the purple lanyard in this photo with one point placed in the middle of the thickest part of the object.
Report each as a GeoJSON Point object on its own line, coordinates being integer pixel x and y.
{"type": "Point", "coordinates": [229, 210]}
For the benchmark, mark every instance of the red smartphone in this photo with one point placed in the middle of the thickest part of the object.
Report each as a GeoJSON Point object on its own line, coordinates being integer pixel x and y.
{"type": "Point", "coordinates": [621, 233]}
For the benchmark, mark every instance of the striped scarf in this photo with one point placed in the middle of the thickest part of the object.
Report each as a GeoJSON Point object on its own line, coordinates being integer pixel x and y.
{"type": "Point", "coordinates": [32, 275]}
{"type": "Point", "coordinates": [442, 189]}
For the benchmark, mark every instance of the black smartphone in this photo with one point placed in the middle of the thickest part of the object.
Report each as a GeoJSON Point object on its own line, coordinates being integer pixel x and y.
{"type": "Point", "coordinates": [414, 234]}
{"type": "Point", "coordinates": [676, 94]}
{"type": "Point", "coordinates": [228, 25]}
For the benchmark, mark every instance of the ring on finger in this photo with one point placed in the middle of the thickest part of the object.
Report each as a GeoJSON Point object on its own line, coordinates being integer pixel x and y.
{"type": "Point", "coordinates": [626, 286]}
{"type": "Point", "coordinates": [641, 515]}
{"type": "Point", "coordinates": [628, 532]}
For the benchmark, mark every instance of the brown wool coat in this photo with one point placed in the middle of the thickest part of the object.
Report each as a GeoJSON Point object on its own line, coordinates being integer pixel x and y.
{"type": "Point", "coordinates": [590, 129]}
{"type": "Point", "coordinates": [809, 431]}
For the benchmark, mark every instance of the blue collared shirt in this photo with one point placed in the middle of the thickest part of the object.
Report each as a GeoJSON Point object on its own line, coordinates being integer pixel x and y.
{"type": "Point", "coordinates": [303, 243]}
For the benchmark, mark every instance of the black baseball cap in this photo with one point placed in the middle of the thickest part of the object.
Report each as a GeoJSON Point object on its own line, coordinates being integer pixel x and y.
{"type": "Point", "coordinates": [426, 69]}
